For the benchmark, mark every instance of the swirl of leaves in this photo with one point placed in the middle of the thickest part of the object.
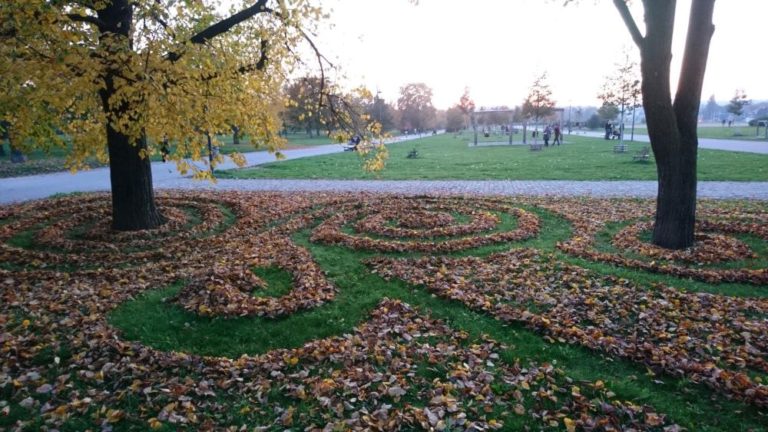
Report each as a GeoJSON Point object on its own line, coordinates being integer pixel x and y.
{"type": "Point", "coordinates": [589, 217]}
{"type": "Point", "coordinates": [331, 231]}
{"type": "Point", "coordinates": [709, 247]}
{"type": "Point", "coordinates": [709, 338]}
{"type": "Point", "coordinates": [226, 290]}
{"type": "Point", "coordinates": [424, 224]}
{"type": "Point", "coordinates": [75, 232]}
{"type": "Point", "coordinates": [358, 381]}
{"type": "Point", "coordinates": [423, 219]}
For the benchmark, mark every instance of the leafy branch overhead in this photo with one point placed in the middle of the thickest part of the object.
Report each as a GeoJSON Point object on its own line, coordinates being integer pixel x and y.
{"type": "Point", "coordinates": [152, 71]}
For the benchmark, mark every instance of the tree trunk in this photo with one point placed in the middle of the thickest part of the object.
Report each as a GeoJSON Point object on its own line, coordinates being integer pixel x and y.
{"type": "Point", "coordinates": [676, 199]}
{"type": "Point", "coordinates": [133, 199]}
{"type": "Point", "coordinates": [16, 155]}
{"type": "Point", "coordinates": [672, 127]}
{"type": "Point", "coordinates": [235, 135]}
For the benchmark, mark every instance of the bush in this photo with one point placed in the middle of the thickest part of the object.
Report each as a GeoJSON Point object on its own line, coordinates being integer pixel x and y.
{"type": "Point", "coordinates": [594, 122]}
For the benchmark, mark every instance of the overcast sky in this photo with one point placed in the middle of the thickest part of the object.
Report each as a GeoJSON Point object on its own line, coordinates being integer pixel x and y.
{"type": "Point", "coordinates": [497, 47]}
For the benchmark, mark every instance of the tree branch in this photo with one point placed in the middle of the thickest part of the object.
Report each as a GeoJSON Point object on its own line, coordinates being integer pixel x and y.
{"type": "Point", "coordinates": [634, 31]}
{"type": "Point", "coordinates": [700, 30]}
{"type": "Point", "coordinates": [87, 19]}
{"type": "Point", "coordinates": [224, 25]}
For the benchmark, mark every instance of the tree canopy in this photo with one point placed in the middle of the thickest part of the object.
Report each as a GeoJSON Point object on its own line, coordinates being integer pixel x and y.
{"type": "Point", "coordinates": [178, 71]}
{"type": "Point", "coordinates": [539, 103]}
{"type": "Point", "coordinates": [415, 105]}
{"type": "Point", "coordinates": [737, 103]}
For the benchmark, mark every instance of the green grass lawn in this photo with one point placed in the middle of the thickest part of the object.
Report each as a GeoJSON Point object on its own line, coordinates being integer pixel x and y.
{"type": "Point", "coordinates": [449, 157]}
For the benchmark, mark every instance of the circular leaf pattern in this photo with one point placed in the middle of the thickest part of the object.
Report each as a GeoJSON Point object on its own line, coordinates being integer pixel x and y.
{"type": "Point", "coordinates": [372, 216]}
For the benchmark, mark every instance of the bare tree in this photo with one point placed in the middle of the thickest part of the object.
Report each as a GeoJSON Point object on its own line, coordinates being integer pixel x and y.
{"type": "Point", "coordinates": [539, 104]}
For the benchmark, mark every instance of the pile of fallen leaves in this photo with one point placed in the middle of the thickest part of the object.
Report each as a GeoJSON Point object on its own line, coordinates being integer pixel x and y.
{"type": "Point", "coordinates": [63, 271]}
{"type": "Point", "coordinates": [227, 289]}
{"type": "Point", "coordinates": [372, 214]}
{"type": "Point", "coordinates": [709, 338]}
{"type": "Point", "coordinates": [590, 217]}
{"type": "Point", "coordinates": [709, 247]}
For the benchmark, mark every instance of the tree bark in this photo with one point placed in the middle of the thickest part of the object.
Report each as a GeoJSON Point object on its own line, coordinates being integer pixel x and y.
{"type": "Point", "coordinates": [133, 199]}
{"type": "Point", "coordinates": [235, 135]}
{"type": "Point", "coordinates": [672, 127]}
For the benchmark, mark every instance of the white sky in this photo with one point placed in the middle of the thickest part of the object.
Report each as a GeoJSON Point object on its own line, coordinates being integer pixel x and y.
{"type": "Point", "coordinates": [497, 47]}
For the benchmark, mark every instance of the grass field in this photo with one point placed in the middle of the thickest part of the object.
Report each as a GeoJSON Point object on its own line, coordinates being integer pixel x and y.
{"type": "Point", "coordinates": [98, 334]}
{"type": "Point", "coordinates": [449, 157]}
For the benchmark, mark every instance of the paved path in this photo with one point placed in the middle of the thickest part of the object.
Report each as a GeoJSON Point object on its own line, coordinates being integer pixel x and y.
{"type": "Point", "coordinates": [642, 189]}
{"type": "Point", "coordinates": [165, 176]}
{"type": "Point", "coordinates": [707, 143]}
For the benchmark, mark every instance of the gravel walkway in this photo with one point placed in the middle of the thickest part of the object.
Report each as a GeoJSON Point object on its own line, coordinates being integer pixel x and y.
{"type": "Point", "coordinates": [640, 189]}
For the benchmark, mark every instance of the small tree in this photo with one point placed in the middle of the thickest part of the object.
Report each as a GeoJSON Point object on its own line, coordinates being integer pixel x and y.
{"type": "Point", "coordinates": [737, 103]}
{"type": "Point", "coordinates": [467, 107]}
{"type": "Point", "coordinates": [622, 89]}
{"type": "Point", "coordinates": [539, 103]}
{"type": "Point", "coordinates": [608, 112]}
{"type": "Point", "coordinates": [383, 113]}
{"type": "Point", "coordinates": [711, 109]}
{"type": "Point", "coordinates": [454, 119]}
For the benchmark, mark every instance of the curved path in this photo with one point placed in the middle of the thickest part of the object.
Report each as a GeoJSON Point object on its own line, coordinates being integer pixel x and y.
{"type": "Point", "coordinates": [165, 176]}
{"type": "Point", "coordinates": [745, 146]}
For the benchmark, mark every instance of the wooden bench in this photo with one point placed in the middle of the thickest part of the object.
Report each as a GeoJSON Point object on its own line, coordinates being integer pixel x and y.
{"type": "Point", "coordinates": [620, 148]}
{"type": "Point", "coordinates": [537, 147]}
{"type": "Point", "coordinates": [643, 155]}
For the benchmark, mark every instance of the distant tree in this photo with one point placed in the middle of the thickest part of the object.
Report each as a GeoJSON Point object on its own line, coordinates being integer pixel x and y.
{"type": "Point", "coordinates": [455, 119]}
{"type": "Point", "coordinates": [304, 110]}
{"type": "Point", "coordinates": [539, 103]}
{"type": "Point", "coordinates": [578, 112]}
{"type": "Point", "coordinates": [467, 106]}
{"type": "Point", "coordinates": [622, 88]}
{"type": "Point", "coordinates": [737, 103]}
{"type": "Point", "coordinates": [608, 112]}
{"type": "Point", "coordinates": [711, 109]}
{"type": "Point", "coordinates": [383, 113]}
{"type": "Point", "coordinates": [499, 118]}
{"type": "Point", "coordinates": [594, 122]}
{"type": "Point", "coordinates": [415, 106]}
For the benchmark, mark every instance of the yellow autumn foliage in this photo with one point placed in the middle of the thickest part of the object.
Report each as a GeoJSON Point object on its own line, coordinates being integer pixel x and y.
{"type": "Point", "coordinates": [57, 59]}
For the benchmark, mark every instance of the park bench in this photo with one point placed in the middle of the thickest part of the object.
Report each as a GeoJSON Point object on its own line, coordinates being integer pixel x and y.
{"type": "Point", "coordinates": [620, 148]}
{"type": "Point", "coordinates": [644, 154]}
{"type": "Point", "coordinates": [537, 147]}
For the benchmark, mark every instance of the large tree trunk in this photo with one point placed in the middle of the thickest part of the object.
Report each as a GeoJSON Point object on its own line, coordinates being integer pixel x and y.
{"type": "Point", "coordinates": [672, 127]}
{"type": "Point", "coordinates": [133, 199]}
